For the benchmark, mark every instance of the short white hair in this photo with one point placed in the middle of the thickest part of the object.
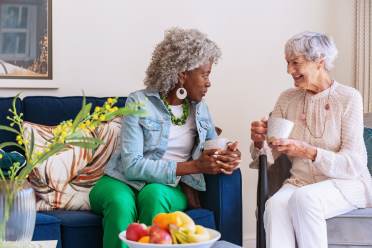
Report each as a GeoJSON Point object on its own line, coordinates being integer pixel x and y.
{"type": "Point", "coordinates": [313, 46]}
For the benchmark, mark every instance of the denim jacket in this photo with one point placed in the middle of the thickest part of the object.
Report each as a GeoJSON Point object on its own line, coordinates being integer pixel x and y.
{"type": "Point", "coordinates": [144, 140]}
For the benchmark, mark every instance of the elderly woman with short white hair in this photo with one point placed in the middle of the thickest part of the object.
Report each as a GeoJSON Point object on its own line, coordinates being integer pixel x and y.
{"type": "Point", "coordinates": [164, 149]}
{"type": "Point", "coordinates": [329, 174]}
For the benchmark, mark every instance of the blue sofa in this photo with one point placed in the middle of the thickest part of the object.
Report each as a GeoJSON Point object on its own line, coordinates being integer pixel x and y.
{"type": "Point", "coordinates": [222, 202]}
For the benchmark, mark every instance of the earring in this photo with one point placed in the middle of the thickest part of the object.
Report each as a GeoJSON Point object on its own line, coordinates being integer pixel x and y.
{"type": "Point", "coordinates": [181, 93]}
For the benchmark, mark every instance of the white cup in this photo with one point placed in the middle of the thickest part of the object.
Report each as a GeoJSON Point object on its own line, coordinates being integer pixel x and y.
{"type": "Point", "coordinates": [278, 128]}
{"type": "Point", "coordinates": [218, 143]}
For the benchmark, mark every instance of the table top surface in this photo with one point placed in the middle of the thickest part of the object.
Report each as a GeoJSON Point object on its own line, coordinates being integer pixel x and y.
{"type": "Point", "coordinates": [224, 244]}
{"type": "Point", "coordinates": [53, 244]}
{"type": "Point", "coordinates": [34, 244]}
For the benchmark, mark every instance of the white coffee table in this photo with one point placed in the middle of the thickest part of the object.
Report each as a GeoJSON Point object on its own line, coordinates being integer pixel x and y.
{"type": "Point", "coordinates": [35, 244]}
{"type": "Point", "coordinates": [44, 244]}
{"type": "Point", "coordinates": [224, 244]}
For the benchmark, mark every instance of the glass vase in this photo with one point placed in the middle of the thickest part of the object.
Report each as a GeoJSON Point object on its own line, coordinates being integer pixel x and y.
{"type": "Point", "coordinates": [17, 213]}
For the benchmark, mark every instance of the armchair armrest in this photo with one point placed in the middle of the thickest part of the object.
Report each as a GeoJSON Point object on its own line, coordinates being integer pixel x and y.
{"type": "Point", "coordinates": [224, 198]}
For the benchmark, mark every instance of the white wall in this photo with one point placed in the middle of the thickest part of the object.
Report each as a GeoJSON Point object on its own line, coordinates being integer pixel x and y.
{"type": "Point", "coordinates": [103, 48]}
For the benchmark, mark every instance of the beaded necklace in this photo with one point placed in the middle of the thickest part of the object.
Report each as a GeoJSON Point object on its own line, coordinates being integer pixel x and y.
{"type": "Point", "coordinates": [185, 112]}
{"type": "Point", "coordinates": [304, 119]}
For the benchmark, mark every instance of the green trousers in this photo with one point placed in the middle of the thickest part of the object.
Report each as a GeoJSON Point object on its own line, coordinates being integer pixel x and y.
{"type": "Point", "coordinates": [120, 205]}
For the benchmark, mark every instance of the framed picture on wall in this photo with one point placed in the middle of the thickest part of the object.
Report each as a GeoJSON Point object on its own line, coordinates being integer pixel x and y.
{"type": "Point", "coordinates": [25, 39]}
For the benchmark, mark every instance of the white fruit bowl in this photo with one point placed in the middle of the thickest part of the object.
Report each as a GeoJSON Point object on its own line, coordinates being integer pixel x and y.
{"type": "Point", "coordinates": [215, 235]}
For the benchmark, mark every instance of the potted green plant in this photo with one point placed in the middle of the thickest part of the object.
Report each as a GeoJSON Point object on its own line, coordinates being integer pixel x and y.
{"type": "Point", "coordinates": [17, 200]}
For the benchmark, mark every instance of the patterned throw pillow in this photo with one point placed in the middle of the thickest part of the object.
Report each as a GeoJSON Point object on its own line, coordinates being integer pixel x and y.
{"type": "Point", "coordinates": [368, 142]}
{"type": "Point", "coordinates": [65, 179]}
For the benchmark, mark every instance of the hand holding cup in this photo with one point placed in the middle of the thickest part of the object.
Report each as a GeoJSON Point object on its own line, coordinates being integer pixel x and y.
{"type": "Point", "coordinates": [278, 128]}
{"type": "Point", "coordinates": [226, 154]}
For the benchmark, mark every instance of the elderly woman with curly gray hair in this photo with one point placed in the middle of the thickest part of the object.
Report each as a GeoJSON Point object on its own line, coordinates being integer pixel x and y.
{"type": "Point", "coordinates": [163, 150]}
{"type": "Point", "coordinates": [329, 174]}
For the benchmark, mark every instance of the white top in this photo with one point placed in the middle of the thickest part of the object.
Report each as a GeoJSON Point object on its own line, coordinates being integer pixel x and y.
{"type": "Point", "coordinates": [341, 152]}
{"type": "Point", "coordinates": [181, 139]}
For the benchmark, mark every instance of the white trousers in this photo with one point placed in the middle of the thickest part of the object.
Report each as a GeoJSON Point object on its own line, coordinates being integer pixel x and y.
{"type": "Point", "coordinates": [298, 214]}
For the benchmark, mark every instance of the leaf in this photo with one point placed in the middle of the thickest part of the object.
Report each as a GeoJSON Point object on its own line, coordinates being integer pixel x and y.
{"type": "Point", "coordinates": [14, 102]}
{"type": "Point", "coordinates": [84, 100]}
{"type": "Point", "coordinates": [9, 129]}
{"type": "Point", "coordinates": [84, 140]}
{"type": "Point", "coordinates": [84, 145]}
{"type": "Point", "coordinates": [6, 144]}
{"type": "Point", "coordinates": [32, 143]}
{"type": "Point", "coordinates": [85, 110]}
{"type": "Point", "coordinates": [130, 110]}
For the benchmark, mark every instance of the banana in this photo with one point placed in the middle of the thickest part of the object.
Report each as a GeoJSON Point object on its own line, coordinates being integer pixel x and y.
{"type": "Point", "coordinates": [185, 221]}
{"type": "Point", "coordinates": [181, 235]}
{"type": "Point", "coordinates": [173, 229]}
{"type": "Point", "coordinates": [200, 235]}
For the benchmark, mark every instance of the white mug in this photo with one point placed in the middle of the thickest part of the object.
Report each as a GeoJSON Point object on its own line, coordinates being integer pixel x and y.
{"type": "Point", "coordinates": [278, 128]}
{"type": "Point", "coordinates": [218, 143]}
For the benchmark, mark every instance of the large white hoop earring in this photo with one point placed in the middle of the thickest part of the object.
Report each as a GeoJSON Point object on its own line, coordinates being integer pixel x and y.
{"type": "Point", "coordinates": [181, 93]}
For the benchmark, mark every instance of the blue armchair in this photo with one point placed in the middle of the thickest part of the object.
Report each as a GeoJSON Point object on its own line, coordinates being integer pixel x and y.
{"type": "Point", "coordinates": [222, 202]}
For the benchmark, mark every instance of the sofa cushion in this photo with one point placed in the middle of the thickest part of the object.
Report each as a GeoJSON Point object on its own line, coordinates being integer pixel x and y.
{"type": "Point", "coordinates": [47, 227]}
{"type": "Point", "coordinates": [202, 217]}
{"type": "Point", "coordinates": [81, 229]}
{"type": "Point", "coordinates": [368, 142]}
{"type": "Point", "coordinates": [50, 110]}
{"type": "Point", "coordinates": [64, 180]}
{"type": "Point", "coordinates": [5, 136]}
{"type": "Point", "coordinates": [351, 228]}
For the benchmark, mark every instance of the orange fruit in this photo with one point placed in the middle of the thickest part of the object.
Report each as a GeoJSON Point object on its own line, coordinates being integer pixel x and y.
{"type": "Point", "coordinates": [144, 239]}
{"type": "Point", "coordinates": [163, 220]}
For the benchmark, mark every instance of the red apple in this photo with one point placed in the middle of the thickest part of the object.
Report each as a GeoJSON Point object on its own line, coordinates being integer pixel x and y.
{"type": "Point", "coordinates": [159, 236]}
{"type": "Point", "coordinates": [135, 231]}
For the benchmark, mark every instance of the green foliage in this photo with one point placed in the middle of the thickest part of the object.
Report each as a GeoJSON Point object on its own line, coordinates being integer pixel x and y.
{"type": "Point", "coordinates": [68, 133]}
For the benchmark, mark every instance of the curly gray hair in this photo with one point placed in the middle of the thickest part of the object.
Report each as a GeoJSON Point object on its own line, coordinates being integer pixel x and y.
{"type": "Point", "coordinates": [313, 46]}
{"type": "Point", "coordinates": [181, 50]}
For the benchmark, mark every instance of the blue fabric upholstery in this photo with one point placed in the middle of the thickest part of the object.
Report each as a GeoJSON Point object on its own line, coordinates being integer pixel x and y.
{"type": "Point", "coordinates": [202, 217]}
{"type": "Point", "coordinates": [47, 228]}
{"type": "Point", "coordinates": [222, 202]}
{"type": "Point", "coordinates": [224, 198]}
{"type": "Point", "coordinates": [368, 142]}
{"type": "Point", "coordinates": [49, 110]}
{"type": "Point", "coordinates": [79, 229]}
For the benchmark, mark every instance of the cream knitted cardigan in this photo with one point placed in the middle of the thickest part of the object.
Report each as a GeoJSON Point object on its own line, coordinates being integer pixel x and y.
{"type": "Point", "coordinates": [341, 152]}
